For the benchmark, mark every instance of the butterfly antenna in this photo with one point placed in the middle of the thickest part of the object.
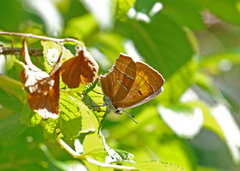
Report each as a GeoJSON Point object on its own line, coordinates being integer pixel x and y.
{"type": "Point", "coordinates": [131, 116]}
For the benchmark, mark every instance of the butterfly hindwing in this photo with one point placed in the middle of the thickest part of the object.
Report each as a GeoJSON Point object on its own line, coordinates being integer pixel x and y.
{"type": "Point", "coordinates": [146, 86]}
{"type": "Point", "coordinates": [117, 83]}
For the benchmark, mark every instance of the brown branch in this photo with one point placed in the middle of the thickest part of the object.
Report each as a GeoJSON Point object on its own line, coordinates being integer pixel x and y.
{"type": "Point", "coordinates": [29, 35]}
{"type": "Point", "coordinates": [17, 51]}
{"type": "Point", "coordinates": [32, 51]}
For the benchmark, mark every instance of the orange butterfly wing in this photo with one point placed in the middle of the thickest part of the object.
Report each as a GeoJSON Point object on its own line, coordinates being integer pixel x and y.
{"type": "Point", "coordinates": [129, 84]}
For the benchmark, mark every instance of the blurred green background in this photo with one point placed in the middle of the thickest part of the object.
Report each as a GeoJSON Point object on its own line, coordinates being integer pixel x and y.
{"type": "Point", "coordinates": [194, 44]}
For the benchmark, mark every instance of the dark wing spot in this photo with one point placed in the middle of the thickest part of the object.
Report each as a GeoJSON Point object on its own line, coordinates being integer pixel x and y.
{"type": "Point", "coordinates": [140, 92]}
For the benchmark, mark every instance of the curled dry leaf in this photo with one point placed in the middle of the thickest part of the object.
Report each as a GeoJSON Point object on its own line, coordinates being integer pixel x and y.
{"type": "Point", "coordinates": [80, 69]}
{"type": "Point", "coordinates": [43, 89]}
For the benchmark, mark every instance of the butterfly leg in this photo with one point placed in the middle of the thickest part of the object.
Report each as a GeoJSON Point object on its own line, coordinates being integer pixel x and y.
{"type": "Point", "coordinates": [97, 92]}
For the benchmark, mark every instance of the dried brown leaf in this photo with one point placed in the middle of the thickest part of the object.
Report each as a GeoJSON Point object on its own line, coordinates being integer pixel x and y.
{"type": "Point", "coordinates": [43, 89]}
{"type": "Point", "coordinates": [80, 69]}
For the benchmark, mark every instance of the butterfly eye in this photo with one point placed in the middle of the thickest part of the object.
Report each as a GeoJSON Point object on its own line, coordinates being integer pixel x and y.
{"type": "Point", "coordinates": [118, 111]}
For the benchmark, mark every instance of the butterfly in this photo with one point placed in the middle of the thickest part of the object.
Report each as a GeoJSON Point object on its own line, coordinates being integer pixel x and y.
{"type": "Point", "coordinates": [129, 84]}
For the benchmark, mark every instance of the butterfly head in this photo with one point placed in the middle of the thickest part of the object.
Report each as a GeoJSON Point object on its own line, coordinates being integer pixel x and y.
{"type": "Point", "coordinates": [111, 107]}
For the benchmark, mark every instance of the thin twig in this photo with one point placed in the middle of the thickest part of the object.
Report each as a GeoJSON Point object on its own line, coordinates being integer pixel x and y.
{"type": "Point", "coordinates": [29, 35]}
{"type": "Point", "coordinates": [67, 148]}
{"type": "Point", "coordinates": [17, 51]}
{"type": "Point", "coordinates": [105, 165]}
{"type": "Point", "coordinates": [32, 52]}
{"type": "Point", "coordinates": [82, 157]}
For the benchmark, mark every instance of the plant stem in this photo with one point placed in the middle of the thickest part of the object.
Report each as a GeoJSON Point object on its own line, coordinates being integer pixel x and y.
{"type": "Point", "coordinates": [17, 51]}
{"type": "Point", "coordinates": [82, 157]}
{"type": "Point", "coordinates": [67, 148]}
{"type": "Point", "coordinates": [29, 35]}
{"type": "Point", "coordinates": [105, 165]}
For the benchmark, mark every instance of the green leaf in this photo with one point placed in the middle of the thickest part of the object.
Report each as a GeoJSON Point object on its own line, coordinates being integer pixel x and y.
{"type": "Point", "coordinates": [19, 65]}
{"type": "Point", "coordinates": [183, 118]}
{"type": "Point", "coordinates": [11, 127]}
{"type": "Point", "coordinates": [87, 119]}
{"type": "Point", "coordinates": [13, 88]}
{"type": "Point", "coordinates": [235, 108]}
{"type": "Point", "coordinates": [52, 163]}
{"type": "Point", "coordinates": [112, 50]}
{"type": "Point", "coordinates": [10, 68]}
{"type": "Point", "coordinates": [209, 121]}
{"type": "Point", "coordinates": [75, 8]}
{"type": "Point", "coordinates": [102, 12]}
{"type": "Point", "coordinates": [145, 6]}
{"type": "Point", "coordinates": [149, 166]}
{"type": "Point", "coordinates": [181, 13]}
{"type": "Point", "coordinates": [152, 133]}
{"type": "Point", "coordinates": [82, 27]}
{"type": "Point", "coordinates": [98, 99]}
{"type": "Point", "coordinates": [184, 77]}
{"type": "Point", "coordinates": [124, 155]}
{"type": "Point", "coordinates": [177, 10]}
{"type": "Point", "coordinates": [90, 103]}
{"type": "Point", "coordinates": [29, 117]}
{"type": "Point", "coordinates": [122, 7]}
{"type": "Point", "coordinates": [219, 120]}
{"type": "Point", "coordinates": [153, 165]}
{"type": "Point", "coordinates": [70, 116]}
{"type": "Point", "coordinates": [94, 101]}
{"type": "Point", "coordinates": [8, 16]}
{"type": "Point", "coordinates": [51, 52]}
{"type": "Point", "coordinates": [207, 169]}
{"type": "Point", "coordinates": [93, 147]}
{"type": "Point", "coordinates": [23, 148]}
{"type": "Point", "coordinates": [219, 62]}
{"type": "Point", "coordinates": [56, 165]}
{"type": "Point", "coordinates": [158, 42]}
{"type": "Point", "coordinates": [9, 101]}
{"type": "Point", "coordinates": [143, 116]}
{"type": "Point", "coordinates": [207, 83]}
{"type": "Point", "coordinates": [193, 40]}
{"type": "Point", "coordinates": [93, 142]}
{"type": "Point", "coordinates": [115, 155]}
{"type": "Point", "coordinates": [51, 129]}
{"type": "Point", "coordinates": [75, 116]}
{"type": "Point", "coordinates": [230, 130]}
